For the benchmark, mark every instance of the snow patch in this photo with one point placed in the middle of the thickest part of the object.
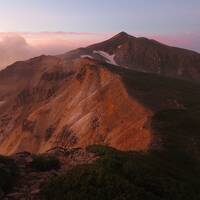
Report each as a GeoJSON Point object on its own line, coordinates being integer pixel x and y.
{"type": "Point", "coordinates": [109, 58]}
{"type": "Point", "coordinates": [86, 56]}
{"type": "Point", "coordinates": [119, 47]}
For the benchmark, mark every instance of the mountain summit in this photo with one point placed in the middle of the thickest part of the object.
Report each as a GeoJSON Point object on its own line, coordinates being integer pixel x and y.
{"type": "Point", "coordinates": [121, 35]}
{"type": "Point", "coordinates": [144, 55]}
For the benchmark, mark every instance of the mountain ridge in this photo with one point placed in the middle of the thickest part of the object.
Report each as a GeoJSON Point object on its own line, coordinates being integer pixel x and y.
{"type": "Point", "coordinates": [143, 54]}
{"type": "Point", "coordinates": [78, 100]}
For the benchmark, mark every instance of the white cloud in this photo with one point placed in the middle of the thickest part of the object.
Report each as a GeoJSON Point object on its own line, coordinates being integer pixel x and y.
{"type": "Point", "coordinates": [14, 47]}
{"type": "Point", "coordinates": [22, 46]}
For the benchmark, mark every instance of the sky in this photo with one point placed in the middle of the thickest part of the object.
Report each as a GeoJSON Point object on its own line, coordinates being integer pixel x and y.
{"type": "Point", "coordinates": [55, 26]}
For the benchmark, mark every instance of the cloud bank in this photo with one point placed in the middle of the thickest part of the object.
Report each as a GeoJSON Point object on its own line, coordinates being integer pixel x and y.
{"type": "Point", "coordinates": [22, 46]}
{"type": "Point", "coordinates": [14, 47]}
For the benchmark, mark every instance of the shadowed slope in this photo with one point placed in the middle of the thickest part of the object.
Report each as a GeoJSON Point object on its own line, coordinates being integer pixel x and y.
{"type": "Point", "coordinates": [143, 54]}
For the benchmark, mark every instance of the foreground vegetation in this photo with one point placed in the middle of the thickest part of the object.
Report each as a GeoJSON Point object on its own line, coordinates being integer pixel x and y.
{"type": "Point", "coordinates": [45, 163]}
{"type": "Point", "coordinates": [126, 175]}
{"type": "Point", "coordinates": [8, 172]}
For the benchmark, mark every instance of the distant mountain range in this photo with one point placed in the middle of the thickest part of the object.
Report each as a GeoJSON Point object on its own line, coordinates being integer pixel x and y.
{"type": "Point", "coordinates": [108, 93]}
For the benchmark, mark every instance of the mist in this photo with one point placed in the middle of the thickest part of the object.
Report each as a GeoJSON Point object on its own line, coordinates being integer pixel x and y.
{"type": "Point", "coordinates": [14, 47]}
{"type": "Point", "coordinates": [22, 46]}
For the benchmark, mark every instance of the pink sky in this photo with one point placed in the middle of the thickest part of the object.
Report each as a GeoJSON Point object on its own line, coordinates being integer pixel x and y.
{"type": "Point", "coordinates": [24, 45]}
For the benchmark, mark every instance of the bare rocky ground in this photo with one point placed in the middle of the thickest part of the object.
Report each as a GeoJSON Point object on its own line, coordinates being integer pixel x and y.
{"type": "Point", "coordinates": [30, 181]}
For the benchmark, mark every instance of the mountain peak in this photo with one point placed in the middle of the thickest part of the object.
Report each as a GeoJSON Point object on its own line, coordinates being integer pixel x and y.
{"type": "Point", "coordinates": [122, 35]}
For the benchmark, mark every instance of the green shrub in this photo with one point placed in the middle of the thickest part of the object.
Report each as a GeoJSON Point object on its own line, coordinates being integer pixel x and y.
{"type": "Point", "coordinates": [123, 176]}
{"type": "Point", "coordinates": [45, 163]}
{"type": "Point", "coordinates": [100, 150]}
{"type": "Point", "coordinates": [8, 172]}
{"type": "Point", "coordinates": [86, 182]}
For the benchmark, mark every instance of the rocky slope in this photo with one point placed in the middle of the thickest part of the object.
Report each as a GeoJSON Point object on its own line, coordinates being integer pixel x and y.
{"type": "Point", "coordinates": [83, 102]}
{"type": "Point", "coordinates": [67, 101]}
{"type": "Point", "coordinates": [143, 54]}
{"type": "Point", "coordinates": [70, 105]}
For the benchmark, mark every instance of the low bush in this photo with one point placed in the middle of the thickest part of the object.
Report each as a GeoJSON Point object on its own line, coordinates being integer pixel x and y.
{"type": "Point", "coordinates": [122, 176]}
{"type": "Point", "coordinates": [101, 150]}
{"type": "Point", "coordinates": [45, 163]}
{"type": "Point", "coordinates": [8, 172]}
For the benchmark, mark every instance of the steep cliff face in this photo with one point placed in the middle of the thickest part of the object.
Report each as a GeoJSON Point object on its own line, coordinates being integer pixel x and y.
{"type": "Point", "coordinates": [74, 107]}
{"type": "Point", "coordinates": [145, 55]}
